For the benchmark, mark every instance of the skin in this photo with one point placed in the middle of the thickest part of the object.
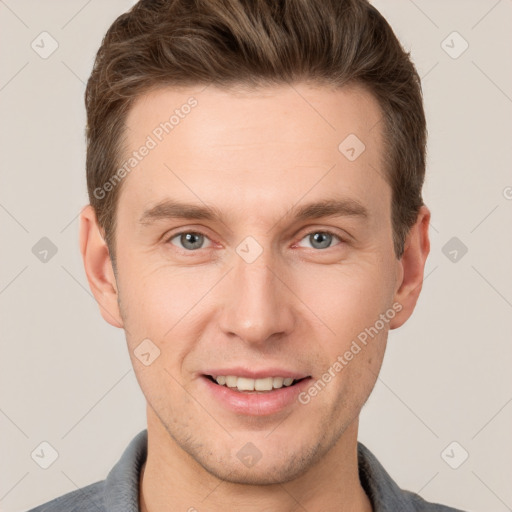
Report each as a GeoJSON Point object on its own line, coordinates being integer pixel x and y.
{"type": "Point", "coordinates": [255, 155]}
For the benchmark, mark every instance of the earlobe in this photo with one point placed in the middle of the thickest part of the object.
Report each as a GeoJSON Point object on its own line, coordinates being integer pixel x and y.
{"type": "Point", "coordinates": [412, 266]}
{"type": "Point", "coordinates": [98, 267]}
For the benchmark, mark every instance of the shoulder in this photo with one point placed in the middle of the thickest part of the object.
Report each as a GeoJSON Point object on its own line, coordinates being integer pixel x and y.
{"type": "Point", "coordinates": [85, 499]}
{"type": "Point", "coordinates": [420, 505]}
{"type": "Point", "coordinates": [119, 492]}
{"type": "Point", "coordinates": [383, 491]}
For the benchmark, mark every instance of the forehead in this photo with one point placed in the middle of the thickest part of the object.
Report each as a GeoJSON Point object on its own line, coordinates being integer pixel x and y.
{"type": "Point", "coordinates": [291, 114]}
{"type": "Point", "coordinates": [254, 148]}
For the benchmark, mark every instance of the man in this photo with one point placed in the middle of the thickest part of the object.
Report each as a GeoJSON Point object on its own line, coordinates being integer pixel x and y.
{"type": "Point", "coordinates": [256, 227]}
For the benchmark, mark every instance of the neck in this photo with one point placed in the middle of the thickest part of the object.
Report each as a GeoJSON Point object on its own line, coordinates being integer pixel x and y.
{"type": "Point", "coordinates": [171, 480]}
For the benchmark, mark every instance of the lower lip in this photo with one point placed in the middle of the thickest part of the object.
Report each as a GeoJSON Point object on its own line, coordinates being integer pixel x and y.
{"type": "Point", "coordinates": [255, 404]}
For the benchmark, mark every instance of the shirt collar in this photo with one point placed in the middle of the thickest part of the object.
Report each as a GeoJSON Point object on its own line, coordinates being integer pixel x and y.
{"type": "Point", "coordinates": [384, 493]}
{"type": "Point", "coordinates": [122, 483]}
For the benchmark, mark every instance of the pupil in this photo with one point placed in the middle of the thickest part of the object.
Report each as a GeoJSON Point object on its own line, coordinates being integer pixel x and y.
{"type": "Point", "coordinates": [191, 240]}
{"type": "Point", "coordinates": [322, 238]}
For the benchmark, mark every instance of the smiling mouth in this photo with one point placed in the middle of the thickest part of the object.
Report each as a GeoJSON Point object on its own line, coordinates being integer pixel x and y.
{"type": "Point", "coordinates": [248, 385]}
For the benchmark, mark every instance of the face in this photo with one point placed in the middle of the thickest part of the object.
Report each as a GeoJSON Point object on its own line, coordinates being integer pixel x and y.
{"type": "Point", "coordinates": [251, 244]}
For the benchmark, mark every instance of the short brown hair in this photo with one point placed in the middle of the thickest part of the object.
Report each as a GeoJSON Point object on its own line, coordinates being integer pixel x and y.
{"type": "Point", "coordinates": [255, 43]}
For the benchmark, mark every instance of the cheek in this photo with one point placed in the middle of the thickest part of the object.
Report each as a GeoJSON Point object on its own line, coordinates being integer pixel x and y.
{"type": "Point", "coordinates": [158, 312]}
{"type": "Point", "coordinates": [147, 310]}
{"type": "Point", "coordinates": [347, 299]}
{"type": "Point", "coordinates": [149, 302]}
{"type": "Point", "coordinates": [162, 303]}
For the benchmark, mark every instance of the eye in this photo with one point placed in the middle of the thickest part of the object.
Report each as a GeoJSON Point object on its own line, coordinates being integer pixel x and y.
{"type": "Point", "coordinates": [189, 240]}
{"type": "Point", "coordinates": [321, 239]}
{"type": "Point", "coordinates": [192, 240]}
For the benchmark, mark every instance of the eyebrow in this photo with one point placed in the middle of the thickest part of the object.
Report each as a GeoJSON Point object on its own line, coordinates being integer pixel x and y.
{"type": "Point", "coordinates": [172, 209]}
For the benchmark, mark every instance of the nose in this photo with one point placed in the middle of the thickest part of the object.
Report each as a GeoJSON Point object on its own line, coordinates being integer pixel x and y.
{"type": "Point", "coordinates": [258, 306]}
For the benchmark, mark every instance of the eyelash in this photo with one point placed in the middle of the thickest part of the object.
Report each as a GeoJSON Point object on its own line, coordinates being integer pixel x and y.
{"type": "Point", "coordinates": [323, 231]}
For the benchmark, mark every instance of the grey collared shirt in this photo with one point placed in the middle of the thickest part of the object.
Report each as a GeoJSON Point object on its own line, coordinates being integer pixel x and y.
{"type": "Point", "coordinates": [119, 492]}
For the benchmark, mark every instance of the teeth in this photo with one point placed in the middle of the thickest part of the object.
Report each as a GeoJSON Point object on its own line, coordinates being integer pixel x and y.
{"type": "Point", "coordinates": [263, 384]}
{"type": "Point", "coordinates": [246, 384]}
{"type": "Point", "coordinates": [231, 381]}
{"type": "Point", "coordinates": [278, 382]}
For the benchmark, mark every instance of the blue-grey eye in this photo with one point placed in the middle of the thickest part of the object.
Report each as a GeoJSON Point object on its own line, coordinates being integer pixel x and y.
{"type": "Point", "coordinates": [321, 239]}
{"type": "Point", "coordinates": [189, 240]}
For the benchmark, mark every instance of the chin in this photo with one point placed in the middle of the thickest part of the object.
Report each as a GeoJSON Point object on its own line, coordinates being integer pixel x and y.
{"type": "Point", "coordinates": [251, 476]}
{"type": "Point", "coordinates": [278, 470]}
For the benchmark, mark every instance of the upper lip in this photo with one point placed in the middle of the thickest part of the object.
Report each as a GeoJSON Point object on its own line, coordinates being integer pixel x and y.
{"type": "Point", "coordinates": [261, 373]}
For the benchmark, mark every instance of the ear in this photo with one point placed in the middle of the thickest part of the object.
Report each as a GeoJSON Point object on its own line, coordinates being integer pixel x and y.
{"type": "Point", "coordinates": [411, 267]}
{"type": "Point", "coordinates": [98, 267]}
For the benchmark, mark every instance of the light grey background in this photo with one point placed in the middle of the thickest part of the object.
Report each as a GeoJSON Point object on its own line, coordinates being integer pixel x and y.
{"type": "Point", "coordinates": [66, 377]}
